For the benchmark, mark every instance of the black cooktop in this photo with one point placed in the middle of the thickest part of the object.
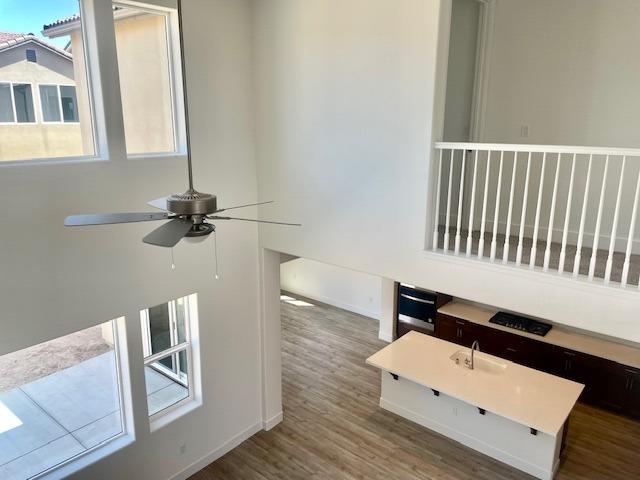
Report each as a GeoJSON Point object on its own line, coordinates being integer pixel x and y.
{"type": "Point", "coordinates": [521, 323]}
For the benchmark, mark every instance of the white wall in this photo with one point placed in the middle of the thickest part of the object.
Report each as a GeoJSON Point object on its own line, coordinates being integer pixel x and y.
{"type": "Point", "coordinates": [461, 70]}
{"type": "Point", "coordinates": [347, 289]}
{"type": "Point", "coordinates": [346, 101]}
{"type": "Point", "coordinates": [57, 280]}
{"type": "Point", "coordinates": [565, 70]}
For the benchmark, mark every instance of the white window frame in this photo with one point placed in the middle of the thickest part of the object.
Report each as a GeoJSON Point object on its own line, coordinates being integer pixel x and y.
{"type": "Point", "coordinates": [189, 346]}
{"type": "Point", "coordinates": [104, 95]}
{"type": "Point", "coordinates": [172, 35]}
{"type": "Point", "coordinates": [118, 441]}
{"type": "Point", "coordinates": [13, 103]}
{"type": "Point", "coordinates": [59, 90]}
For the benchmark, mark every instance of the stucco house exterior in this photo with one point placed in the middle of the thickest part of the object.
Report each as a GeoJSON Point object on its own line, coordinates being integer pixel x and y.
{"type": "Point", "coordinates": [45, 106]}
{"type": "Point", "coordinates": [145, 75]}
{"type": "Point", "coordinates": [39, 114]}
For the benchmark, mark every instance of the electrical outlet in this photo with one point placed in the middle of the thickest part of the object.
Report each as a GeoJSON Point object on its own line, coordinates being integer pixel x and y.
{"type": "Point", "coordinates": [455, 411]}
{"type": "Point", "coordinates": [183, 449]}
{"type": "Point", "coordinates": [524, 131]}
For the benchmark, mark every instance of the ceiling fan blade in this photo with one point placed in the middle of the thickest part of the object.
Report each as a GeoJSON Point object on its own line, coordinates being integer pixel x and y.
{"type": "Point", "coordinates": [159, 203]}
{"type": "Point", "coordinates": [169, 234]}
{"type": "Point", "coordinates": [111, 218]}
{"type": "Point", "coordinates": [215, 217]}
{"type": "Point", "coordinates": [243, 206]}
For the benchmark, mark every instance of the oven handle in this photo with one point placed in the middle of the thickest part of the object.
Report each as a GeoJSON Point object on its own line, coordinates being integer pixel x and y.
{"type": "Point", "coordinates": [416, 299]}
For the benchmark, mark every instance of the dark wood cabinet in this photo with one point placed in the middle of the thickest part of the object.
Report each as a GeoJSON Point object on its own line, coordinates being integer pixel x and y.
{"type": "Point", "coordinates": [608, 384]}
{"type": "Point", "coordinates": [632, 399]}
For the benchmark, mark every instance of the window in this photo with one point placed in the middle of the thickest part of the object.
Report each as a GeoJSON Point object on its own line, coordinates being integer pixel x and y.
{"type": "Point", "coordinates": [69, 103]}
{"type": "Point", "coordinates": [23, 99]}
{"type": "Point", "coordinates": [45, 101]}
{"type": "Point", "coordinates": [144, 64]}
{"type": "Point", "coordinates": [59, 400]}
{"type": "Point", "coordinates": [59, 103]}
{"type": "Point", "coordinates": [167, 344]}
{"type": "Point", "coordinates": [6, 103]}
{"type": "Point", "coordinates": [50, 103]}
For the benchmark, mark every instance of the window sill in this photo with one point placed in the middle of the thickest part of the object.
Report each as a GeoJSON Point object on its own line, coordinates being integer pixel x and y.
{"type": "Point", "coordinates": [171, 414]}
{"type": "Point", "coordinates": [99, 452]}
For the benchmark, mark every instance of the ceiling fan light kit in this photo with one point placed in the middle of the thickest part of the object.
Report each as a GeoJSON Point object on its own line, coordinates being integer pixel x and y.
{"type": "Point", "coordinates": [187, 212]}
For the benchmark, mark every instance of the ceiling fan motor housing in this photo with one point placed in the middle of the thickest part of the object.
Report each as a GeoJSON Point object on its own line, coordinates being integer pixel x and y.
{"type": "Point", "coordinates": [192, 202]}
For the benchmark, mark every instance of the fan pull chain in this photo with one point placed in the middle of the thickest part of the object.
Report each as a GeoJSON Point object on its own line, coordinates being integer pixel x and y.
{"type": "Point", "coordinates": [215, 252]}
{"type": "Point", "coordinates": [173, 263]}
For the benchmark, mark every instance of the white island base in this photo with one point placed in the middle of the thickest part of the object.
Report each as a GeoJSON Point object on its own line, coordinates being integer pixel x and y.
{"type": "Point", "coordinates": [505, 440]}
{"type": "Point", "coordinates": [514, 414]}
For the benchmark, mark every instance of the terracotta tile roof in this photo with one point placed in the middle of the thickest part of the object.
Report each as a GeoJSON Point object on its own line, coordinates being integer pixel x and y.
{"type": "Point", "coordinates": [9, 40]}
{"type": "Point", "coordinates": [16, 37]}
{"type": "Point", "coordinates": [61, 21]}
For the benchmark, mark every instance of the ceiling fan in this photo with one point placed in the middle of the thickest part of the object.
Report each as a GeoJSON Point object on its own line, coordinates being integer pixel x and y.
{"type": "Point", "coordinates": [188, 213]}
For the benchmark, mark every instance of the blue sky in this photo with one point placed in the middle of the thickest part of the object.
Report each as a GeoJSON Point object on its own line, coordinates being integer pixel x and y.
{"type": "Point", "coordinates": [28, 16]}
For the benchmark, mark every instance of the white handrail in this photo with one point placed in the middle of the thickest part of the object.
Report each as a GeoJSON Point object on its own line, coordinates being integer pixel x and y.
{"type": "Point", "coordinates": [460, 200]}
{"type": "Point", "coordinates": [549, 200]}
{"type": "Point", "coordinates": [512, 147]}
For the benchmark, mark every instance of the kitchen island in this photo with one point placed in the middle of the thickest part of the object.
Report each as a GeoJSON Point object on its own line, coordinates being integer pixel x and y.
{"type": "Point", "coordinates": [512, 413]}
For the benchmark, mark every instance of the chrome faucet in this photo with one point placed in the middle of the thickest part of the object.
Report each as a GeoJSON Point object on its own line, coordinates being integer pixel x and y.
{"type": "Point", "coordinates": [475, 346]}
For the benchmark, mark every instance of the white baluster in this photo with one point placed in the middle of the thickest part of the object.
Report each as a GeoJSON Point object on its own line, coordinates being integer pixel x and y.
{"type": "Point", "coordinates": [596, 234]}
{"type": "Point", "coordinates": [552, 216]}
{"type": "Point", "coordinates": [632, 231]}
{"type": "Point", "coordinates": [460, 199]}
{"type": "Point", "coordinates": [567, 217]}
{"type": "Point", "coordinates": [496, 213]}
{"type": "Point", "coordinates": [437, 210]}
{"type": "Point", "coordinates": [614, 227]}
{"type": "Point", "coordinates": [583, 217]}
{"type": "Point", "coordinates": [484, 207]}
{"type": "Point", "coordinates": [536, 227]}
{"type": "Point", "coordinates": [472, 206]}
{"type": "Point", "coordinates": [523, 216]}
{"type": "Point", "coordinates": [505, 251]}
{"type": "Point", "coordinates": [448, 218]}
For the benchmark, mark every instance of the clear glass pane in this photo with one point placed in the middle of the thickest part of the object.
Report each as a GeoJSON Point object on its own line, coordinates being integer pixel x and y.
{"type": "Point", "coordinates": [50, 103]}
{"type": "Point", "coordinates": [47, 50]}
{"type": "Point", "coordinates": [57, 400]}
{"type": "Point", "coordinates": [164, 387]}
{"type": "Point", "coordinates": [181, 313]}
{"type": "Point", "coordinates": [6, 103]}
{"type": "Point", "coordinates": [69, 103]}
{"type": "Point", "coordinates": [160, 328]}
{"type": "Point", "coordinates": [145, 80]}
{"type": "Point", "coordinates": [24, 103]}
{"type": "Point", "coordinates": [184, 367]}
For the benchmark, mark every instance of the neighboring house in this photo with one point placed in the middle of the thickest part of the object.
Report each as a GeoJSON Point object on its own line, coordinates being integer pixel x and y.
{"type": "Point", "coordinates": [39, 114]}
{"type": "Point", "coordinates": [144, 71]}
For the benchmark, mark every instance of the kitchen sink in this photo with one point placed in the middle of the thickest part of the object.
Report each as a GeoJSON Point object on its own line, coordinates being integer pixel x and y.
{"type": "Point", "coordinates": [481, 362]}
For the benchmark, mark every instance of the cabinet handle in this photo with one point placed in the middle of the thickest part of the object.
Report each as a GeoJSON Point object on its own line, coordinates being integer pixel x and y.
{"type": "Point", "coordinates": [571, 354]}
{"type": "Point", "coordinates": [459, 332]}
{"type": "Point", "coordinates": [509, 349]}
{"type": "Point", "coordinates": [631, 383]}
{"type": "Point", "coordinates": [460, 322]}
{"type": "Point", "coordinates": [416, 299]}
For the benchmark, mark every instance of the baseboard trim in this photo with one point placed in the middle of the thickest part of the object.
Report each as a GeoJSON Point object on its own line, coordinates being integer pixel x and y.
{"type": "Point", "coordinates": [385, 337]}
{"type": "Point", "coordinates": [272, 422]}
{"type": "Point", "coordinates": [223, 449]}
{"type": "Point", "coordinates": [338, 303]}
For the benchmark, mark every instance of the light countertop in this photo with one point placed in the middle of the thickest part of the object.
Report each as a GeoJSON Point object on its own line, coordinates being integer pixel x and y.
{"type": "Point", "coordinates": [598, 347]}
{"type": "Point", "coordinates": [526, 396]}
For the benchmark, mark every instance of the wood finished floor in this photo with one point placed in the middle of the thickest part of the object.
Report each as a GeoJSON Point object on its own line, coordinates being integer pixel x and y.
{"type": "Point", "coordinates": [334, 429]}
